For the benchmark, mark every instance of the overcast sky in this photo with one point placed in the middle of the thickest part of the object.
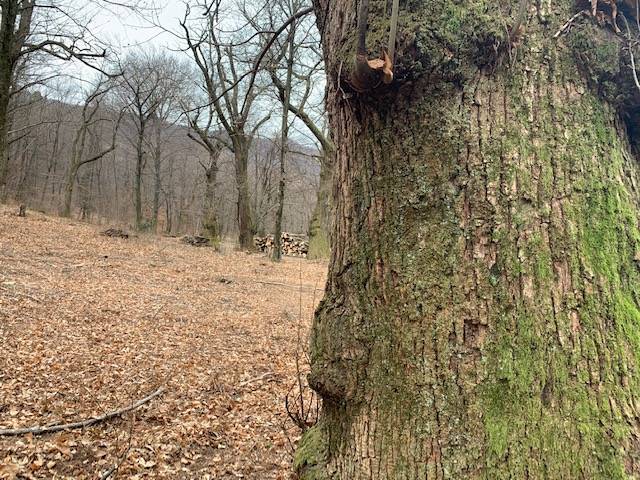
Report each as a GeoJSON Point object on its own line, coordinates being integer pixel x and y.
{"type": "Point", "coordinates": [126, 31]}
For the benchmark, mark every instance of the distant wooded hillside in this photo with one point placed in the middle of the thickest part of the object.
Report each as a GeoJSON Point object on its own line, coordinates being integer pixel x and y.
{"type": "Point", "coordinates": [47, 135]}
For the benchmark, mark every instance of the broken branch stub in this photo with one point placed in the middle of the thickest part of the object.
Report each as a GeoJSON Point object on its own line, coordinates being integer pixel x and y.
{"type": "Point", "coordinates": [369, 74]}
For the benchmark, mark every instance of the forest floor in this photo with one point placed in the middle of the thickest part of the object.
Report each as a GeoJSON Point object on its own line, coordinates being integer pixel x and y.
{"type": "Point", "coordinates": [90, 324]}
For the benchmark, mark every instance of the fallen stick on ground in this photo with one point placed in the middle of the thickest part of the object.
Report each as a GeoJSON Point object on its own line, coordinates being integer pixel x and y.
{"type": "Point", "coordinates": [85, 423]}
{"type": "Point", "coordinates": [277, 284]}
{"type": "Point", "coordinates": [264, 376]}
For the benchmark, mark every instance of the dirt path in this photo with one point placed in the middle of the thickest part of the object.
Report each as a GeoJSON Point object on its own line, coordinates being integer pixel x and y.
{"type": "Point", "coordinates": [89, 324]}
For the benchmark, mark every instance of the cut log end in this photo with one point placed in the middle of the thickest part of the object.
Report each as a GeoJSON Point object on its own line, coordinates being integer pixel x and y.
{"type": "Point", "coordinates": [292, 245]}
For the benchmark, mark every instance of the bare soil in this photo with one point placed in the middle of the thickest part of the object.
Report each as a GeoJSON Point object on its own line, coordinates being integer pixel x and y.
{"type": "Point", "coordinates": [90, 324]}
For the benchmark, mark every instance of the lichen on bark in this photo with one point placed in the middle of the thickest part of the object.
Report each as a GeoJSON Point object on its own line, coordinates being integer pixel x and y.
{"type": "Point", "coordinates": [481, 314]}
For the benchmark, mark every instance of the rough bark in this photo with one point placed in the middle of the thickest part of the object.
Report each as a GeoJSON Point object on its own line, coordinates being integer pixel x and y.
{"type": "Point", "coordinates": [10, 12]}
{"type": "Point", "coordinates": [15, 27]}
{"type": "Point", "coordinates": [481, 315]}
{"type": "Point", "coordinates": [245, 219]}
{"type": "Point", "coordinates": [4, 131]}
{"type": "Point", "coordinates": [210, 226]}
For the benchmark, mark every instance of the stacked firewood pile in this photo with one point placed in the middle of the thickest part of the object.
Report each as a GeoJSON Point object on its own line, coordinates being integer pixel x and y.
{"type": "Point", "coordinates": [293, 245]}
{"type": "Point", "coordinates": [195, 240]}
{"type": "Point", "coordinates": [115, 232]}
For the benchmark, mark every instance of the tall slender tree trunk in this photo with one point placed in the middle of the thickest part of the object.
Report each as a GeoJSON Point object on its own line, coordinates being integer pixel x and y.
{"type": "Point", "coordinates": [210, 208]}
{"type": "Point", "coordinates": [68, 189]}
{"type": "Point", "coordinates": [86, 200]}
{"type": "Point", "coordinates": [245, 219]}
{"type": "Point", "coordinates": [481, 318]}
{"type": "Point", "coordinates": [115, 203]}
{"type": "Point", "coordinates": [77, 151]}
{"type": "Point", "coordinates": [157, 177]}
{"type": "Point", "coordinates": [284, 145]}
{"type": "Point", "coordinates": [169, 201]}
{"type": "Point", "coordinates": [277, 231]}
{"type": "Point", "coordinates": [169, 225]}
{"type": "Point", "coordinates": [137, 189]}
{"type": "Point", "coordinates": [52, 164]}
{"type": "Point", "coordinates": [319, 227]}
{"type": "Point", "coordinates": [157, 186]}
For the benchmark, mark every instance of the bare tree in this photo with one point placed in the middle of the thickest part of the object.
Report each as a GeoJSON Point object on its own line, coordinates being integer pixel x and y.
{"type": "Point", "coordinates": [54, 135]}
{"type": "Point", "coordinates": [92, 116]}
{"type": "Point", "coordinates": [212, 142]}
{"type": "Point", "coordinates": [265, 159]}
{"type": "Point", "coordinates": [304, 101]}
{"type": "Point", "coordinates": [28, 29]}
{"type": "Point", "coordinates": [284, 140]}
{"type": "Point", "coordinates": [223, 68]}
{"type": "Point", "coordinates": [167, 98]}
{"type": "Point", "coordinates": [141, 92]}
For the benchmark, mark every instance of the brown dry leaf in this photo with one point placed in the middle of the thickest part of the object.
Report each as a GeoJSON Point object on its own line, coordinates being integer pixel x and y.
{"type": "Point", "coordinates": [101, 453]}
{"type": "Point", "coordinates": [140, 313]}
{"type": "Point", "coordinates": [37, 463]}
{"type": "Point", "coordinates": [8, 469]}
{"type": "Point", "coordinates": [146, 463]}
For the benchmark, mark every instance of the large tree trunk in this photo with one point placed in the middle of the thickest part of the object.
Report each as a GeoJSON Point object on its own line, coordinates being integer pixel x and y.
{"type": "Point", "coordinates": [4, 133]}
{"type": "Point", "coordinates": [481, 316]}
{"type": "Point", "coordinates": [245, 220]}
{"type": "Point", "coordinates": [9, 14]}
{"type": "Point", "coordinates": [276, 255]}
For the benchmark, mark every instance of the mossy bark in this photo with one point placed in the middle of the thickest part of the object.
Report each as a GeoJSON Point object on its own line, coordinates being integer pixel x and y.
{"type": "Point", "coordinates": [210, 226]}
{"type": "Point", "coordinates": [246, 226]}
{"type": "Point", "coordinates": [481, 315]}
